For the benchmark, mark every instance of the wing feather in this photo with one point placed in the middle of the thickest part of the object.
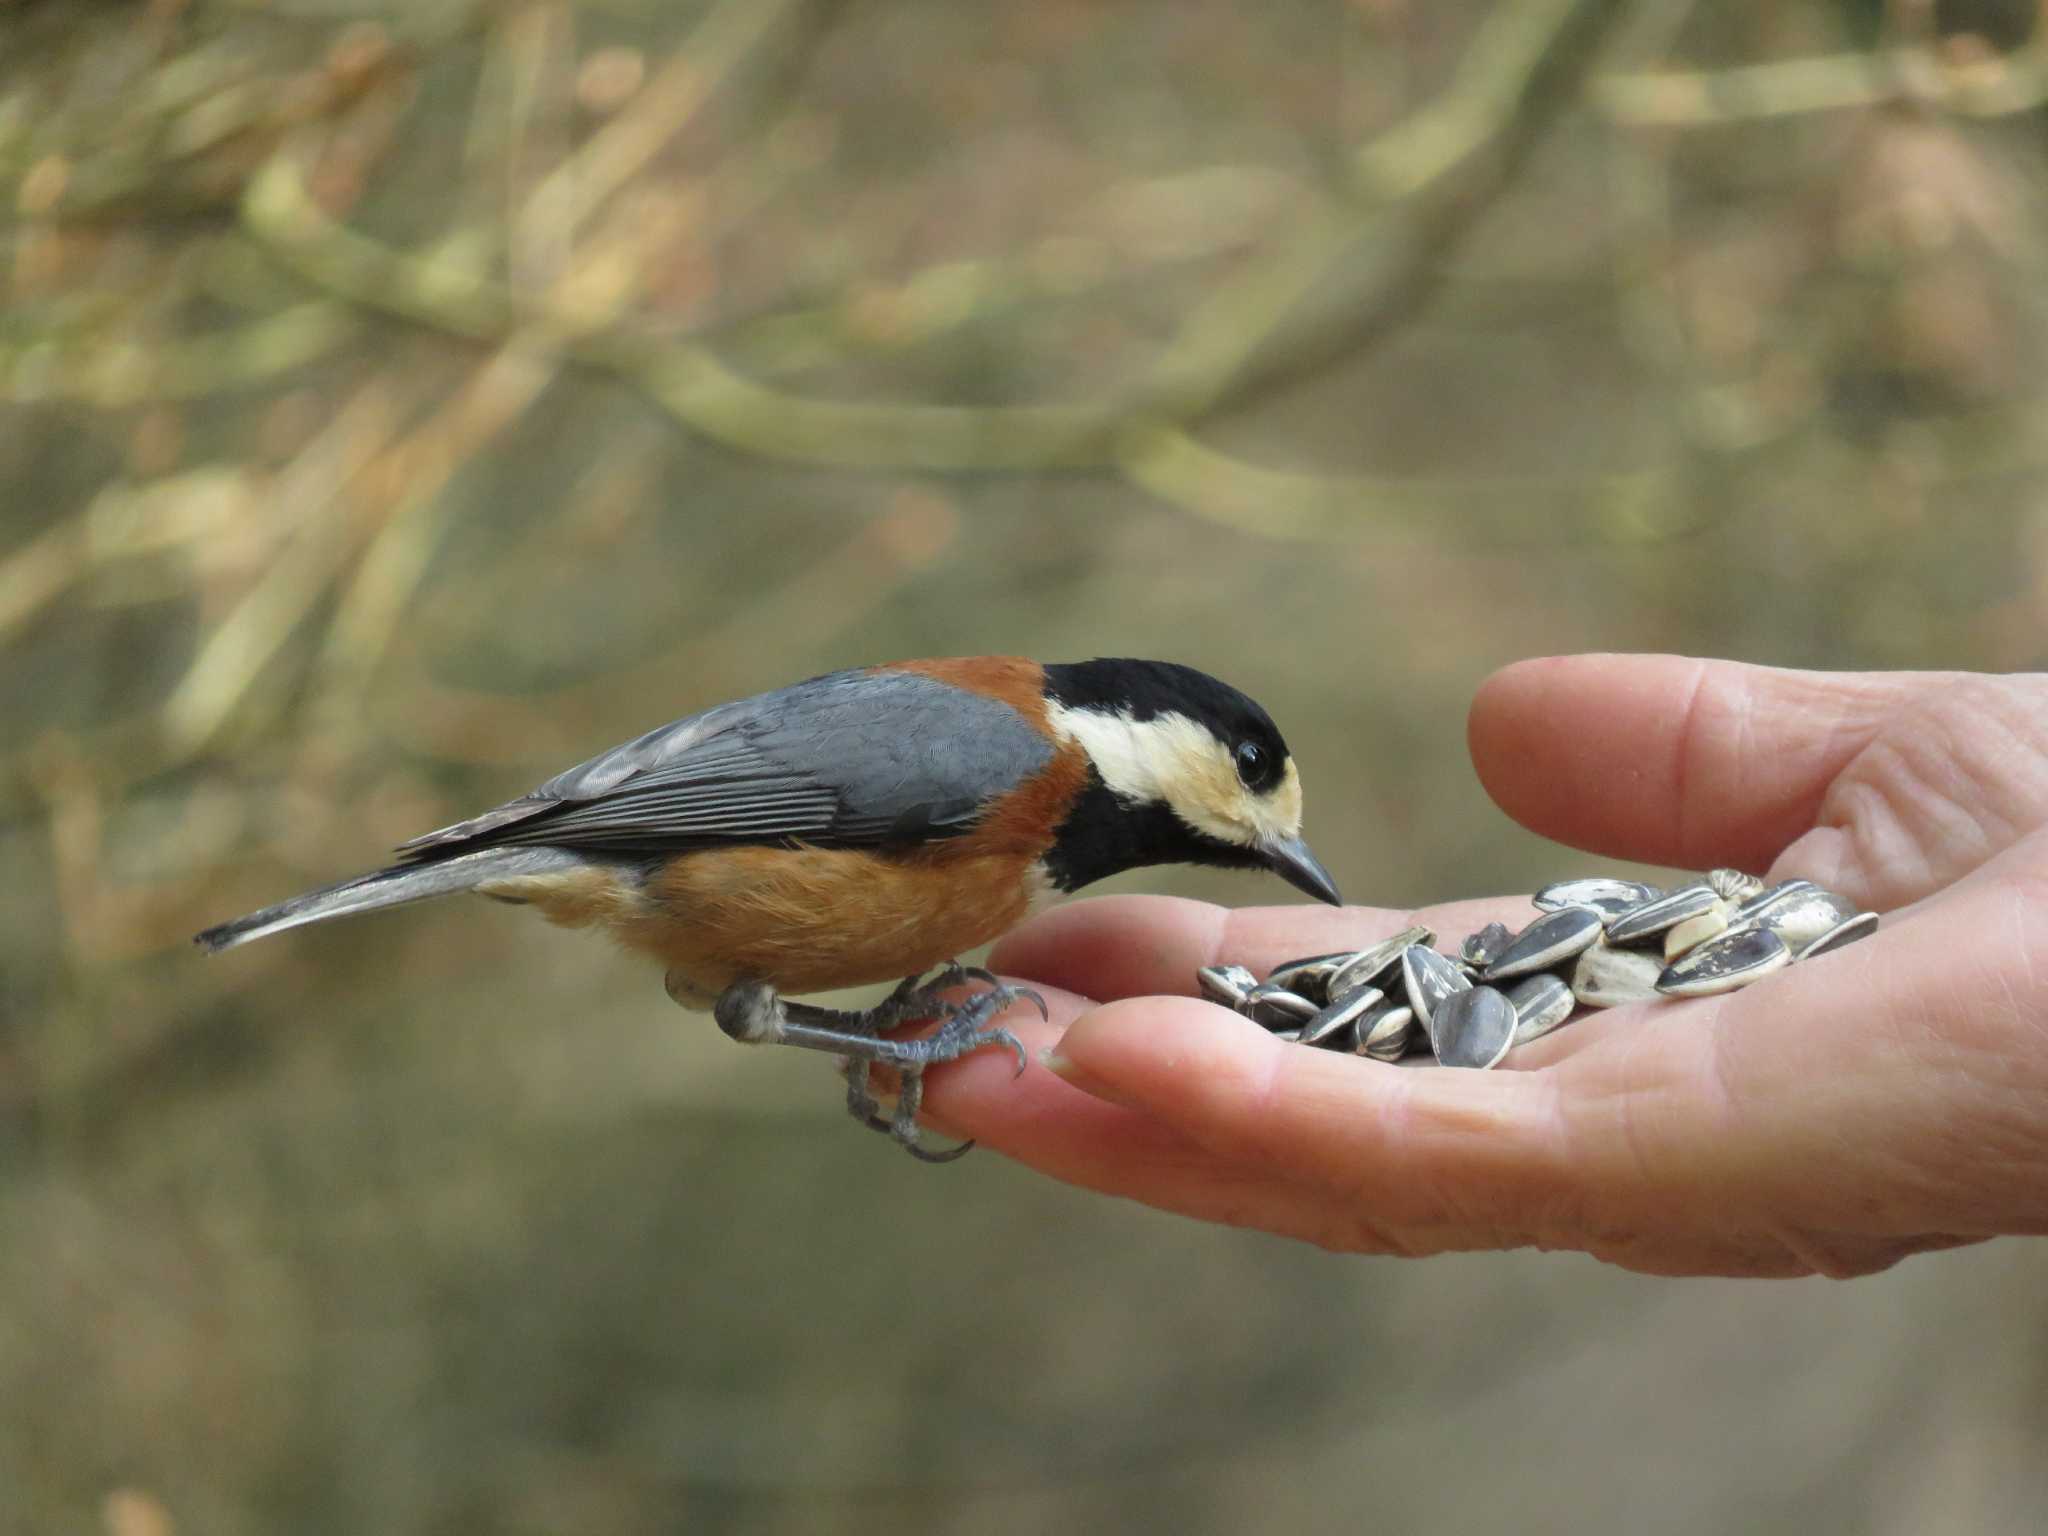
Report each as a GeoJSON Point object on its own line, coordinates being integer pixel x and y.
{"type": "Point", "coordinates": [852, 759]}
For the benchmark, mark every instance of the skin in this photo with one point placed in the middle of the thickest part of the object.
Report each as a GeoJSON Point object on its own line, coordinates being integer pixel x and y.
{"type": "Point", "coordinates": [1885, 1100]}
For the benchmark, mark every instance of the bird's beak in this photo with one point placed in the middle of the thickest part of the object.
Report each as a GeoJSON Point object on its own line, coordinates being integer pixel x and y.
{"type": "Point", "coordinates": [1289, 858]}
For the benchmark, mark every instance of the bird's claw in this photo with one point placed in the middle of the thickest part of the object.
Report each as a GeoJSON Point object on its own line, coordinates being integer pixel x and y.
{"type": "Point", "coordinates": [963, 1029]}
{"type": "Point", "coordinates": [926, 1155]}
{"type": "Point", "coordinates": [902, 1124]}
{"type": "Point", "coordinates": [923, 996]}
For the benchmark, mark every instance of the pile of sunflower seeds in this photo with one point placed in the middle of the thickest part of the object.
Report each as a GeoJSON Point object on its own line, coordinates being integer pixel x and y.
{"type": "Point", "coordinates": [1597, 943]}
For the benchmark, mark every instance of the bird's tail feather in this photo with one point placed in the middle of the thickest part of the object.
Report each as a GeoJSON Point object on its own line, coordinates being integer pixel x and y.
{"type": "Point", "coordinates": [389, 888]}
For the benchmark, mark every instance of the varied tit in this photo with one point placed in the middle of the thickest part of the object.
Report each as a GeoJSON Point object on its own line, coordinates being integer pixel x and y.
{"type": "Point", "coordinates": [864, 826]}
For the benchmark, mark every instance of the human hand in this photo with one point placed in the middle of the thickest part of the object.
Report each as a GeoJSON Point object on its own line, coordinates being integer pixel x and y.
{"type": "Point", "coordinates": [1883, 1100]}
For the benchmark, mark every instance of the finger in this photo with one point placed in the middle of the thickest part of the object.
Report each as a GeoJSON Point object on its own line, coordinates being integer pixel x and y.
{"type": "Point", "coordinates": [1136, 946]}
{"type": "Point", "coordinates": [983, 1097]}
{"type": "Point", "coordinates": [1079, 1140]}
{"type": "Point", "coordinates": [1401, 1149]}
{"type": "Point", "coordinates": [1671, 760]}
{"type": "Point", "coordinates": [1047, 1124]}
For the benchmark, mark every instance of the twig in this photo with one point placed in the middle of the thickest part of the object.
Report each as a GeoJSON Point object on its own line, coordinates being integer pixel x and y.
{"type": "Point", "coordinates": [123, 522]}
{"type": "Point", "coordinates": [235, 654]}
{"type": "Point", "coordinates": [498, 394]}
{"type": "Point", "coordinates": [1419, 187]}
{"type": "Point", "coordinates": [824, 597]}
{"type": "Point", "coordinates": [118, 375]}
{"type": "Point", "coordinates": [662, 108]}
{"type": "Point", "coordinates": [1290, 504]}
{"type": "Point", "coordinates": [1698, 98]}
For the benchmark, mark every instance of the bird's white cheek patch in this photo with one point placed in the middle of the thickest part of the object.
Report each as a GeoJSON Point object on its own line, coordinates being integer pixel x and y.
{"type": "Point", "coordinates": [1173, 759]}
{"type": "Point", "coordinates": [1278, 812]}
{"type": "Point", "coordinates": [1204, 789]}
{"type": "Point", "coordinates": [1113, 745]}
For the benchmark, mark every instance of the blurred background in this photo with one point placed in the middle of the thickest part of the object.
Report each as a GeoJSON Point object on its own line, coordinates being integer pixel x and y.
{"type": "Point", "coordinates": [401, 399]}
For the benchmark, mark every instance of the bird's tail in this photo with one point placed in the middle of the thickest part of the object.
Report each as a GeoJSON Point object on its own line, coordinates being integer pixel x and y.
{"type": "Point", "coordinates": [389, 888]}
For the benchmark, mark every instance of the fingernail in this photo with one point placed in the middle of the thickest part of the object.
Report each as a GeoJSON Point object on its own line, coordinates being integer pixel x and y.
{"type": "Point", "coordinates": [1068, 1070]}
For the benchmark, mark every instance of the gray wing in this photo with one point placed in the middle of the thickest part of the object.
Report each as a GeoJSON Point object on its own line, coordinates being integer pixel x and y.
{"type": "Point", "coordinates": [849, 760]}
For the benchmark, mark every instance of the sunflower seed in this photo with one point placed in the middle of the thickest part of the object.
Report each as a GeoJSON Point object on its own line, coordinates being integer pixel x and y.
{"type": "Point", "coordinates": [1370, 964]}
{"type": "Point", "coordinates": [1472, 1028]}
{"type": "Point", "coordinates": [1551, 940]}
{"type": "Point", "coordinates": [1386, 1033]}
{"type": "Point", "coordinates": [1310, 976]}
{"type": "Point", "coordinates": [1229, 985]}
{"type": "Point", "coordinates": [1721, 965]}
{"type": "Point", "coordinates": [1541, 1003]}
{"type": "Point", "coordinates": [1733, 884]}
{"type": "Point", "coordinates": [1278, 1008]}
{"type": "Point", "coordinates": [1607, 897]}
{"type": "Point", "coordinates": [1603, 977]}
{"type": "Point", "coordinates": [1484, 947]}
{"type": "Point", "coordinates": [1336, 1027]}
{"type": "Point", "coordinates": [1651, 919]}
{"type": "Point", "coordinates": [1680, 937]}
{"type": "Point", "coordinates": [1764, 898]}
{"type": "Point", "coordinates": [1801, 915]}
{"type": "Point", "coordinates": [1429, 978]}
{"type": "Point", "coordinates": [1861, 926]}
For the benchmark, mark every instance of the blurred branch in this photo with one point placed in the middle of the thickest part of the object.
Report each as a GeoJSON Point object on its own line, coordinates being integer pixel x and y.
{"type": "Point", "coordinates": [682, 377]}
{"type": "Point", "coordinates": [92, 372]}
{"type": "Point", "coordinates": [1373, 257]}
{"type": "Point", "coordinates": [570, 193]}
{"type": "Point", "coordinates": [703, 393]}
{"type": "Point", "coordinates": [372, 604]}
{"type": "Point", "coordinates": [446, 292]}
{"type": "Point", "coordinates": [1316, 508]}
{"type": "Point", "coordinates": [387, 549]}
{"type": "Point", "coordinates": [446, 289]}
{"type": "Point", "coordinates": [238, 649]}
{"type": "Point", "coordinates": [289, 534]}
{"type": "Point", "coordinates": [1521, 55]}
{"type": "Point", "coordinates": [1420, 185]}
{"type": "Point", "coordinates": [846, 582]}
{"type": "Point", "coordinates": [105, 920]}
{"type": "Point", "coordinates": [1995, 85]}
{"type": "Point", "coordinates": [177, 131]}
{"type": "Point", "coordinates": [1418, 188]}
{"type": "Point", "coordinates": [123, 522]}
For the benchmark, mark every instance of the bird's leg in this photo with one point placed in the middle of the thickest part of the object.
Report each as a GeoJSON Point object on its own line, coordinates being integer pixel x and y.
{"type": "Point", "coordinates": [754, 1013]}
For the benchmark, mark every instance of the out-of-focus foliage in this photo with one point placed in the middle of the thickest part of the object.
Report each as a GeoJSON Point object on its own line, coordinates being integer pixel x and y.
{"type": "Point", "coordinates": [398, 401]}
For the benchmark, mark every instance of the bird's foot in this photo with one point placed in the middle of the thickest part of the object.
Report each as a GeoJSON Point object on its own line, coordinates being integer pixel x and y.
{"type": "Point", "coordinates": [900, 1123]}
{"type": "Point", "coordinates": [923, 997]}
{"type": "Point", "coordinates": [752, 1012]}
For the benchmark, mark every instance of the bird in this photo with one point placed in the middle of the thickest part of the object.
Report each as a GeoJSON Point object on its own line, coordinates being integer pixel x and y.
{"type": "Point", "coordinates": [864, 826]}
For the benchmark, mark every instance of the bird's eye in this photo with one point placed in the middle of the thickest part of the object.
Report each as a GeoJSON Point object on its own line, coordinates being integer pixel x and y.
{"type": "Point", "coordinates": [1251, 761]}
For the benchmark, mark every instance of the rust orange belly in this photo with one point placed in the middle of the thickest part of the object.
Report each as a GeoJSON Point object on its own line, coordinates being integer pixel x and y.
{"type": "Point", "coordinates": [802, 919]}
